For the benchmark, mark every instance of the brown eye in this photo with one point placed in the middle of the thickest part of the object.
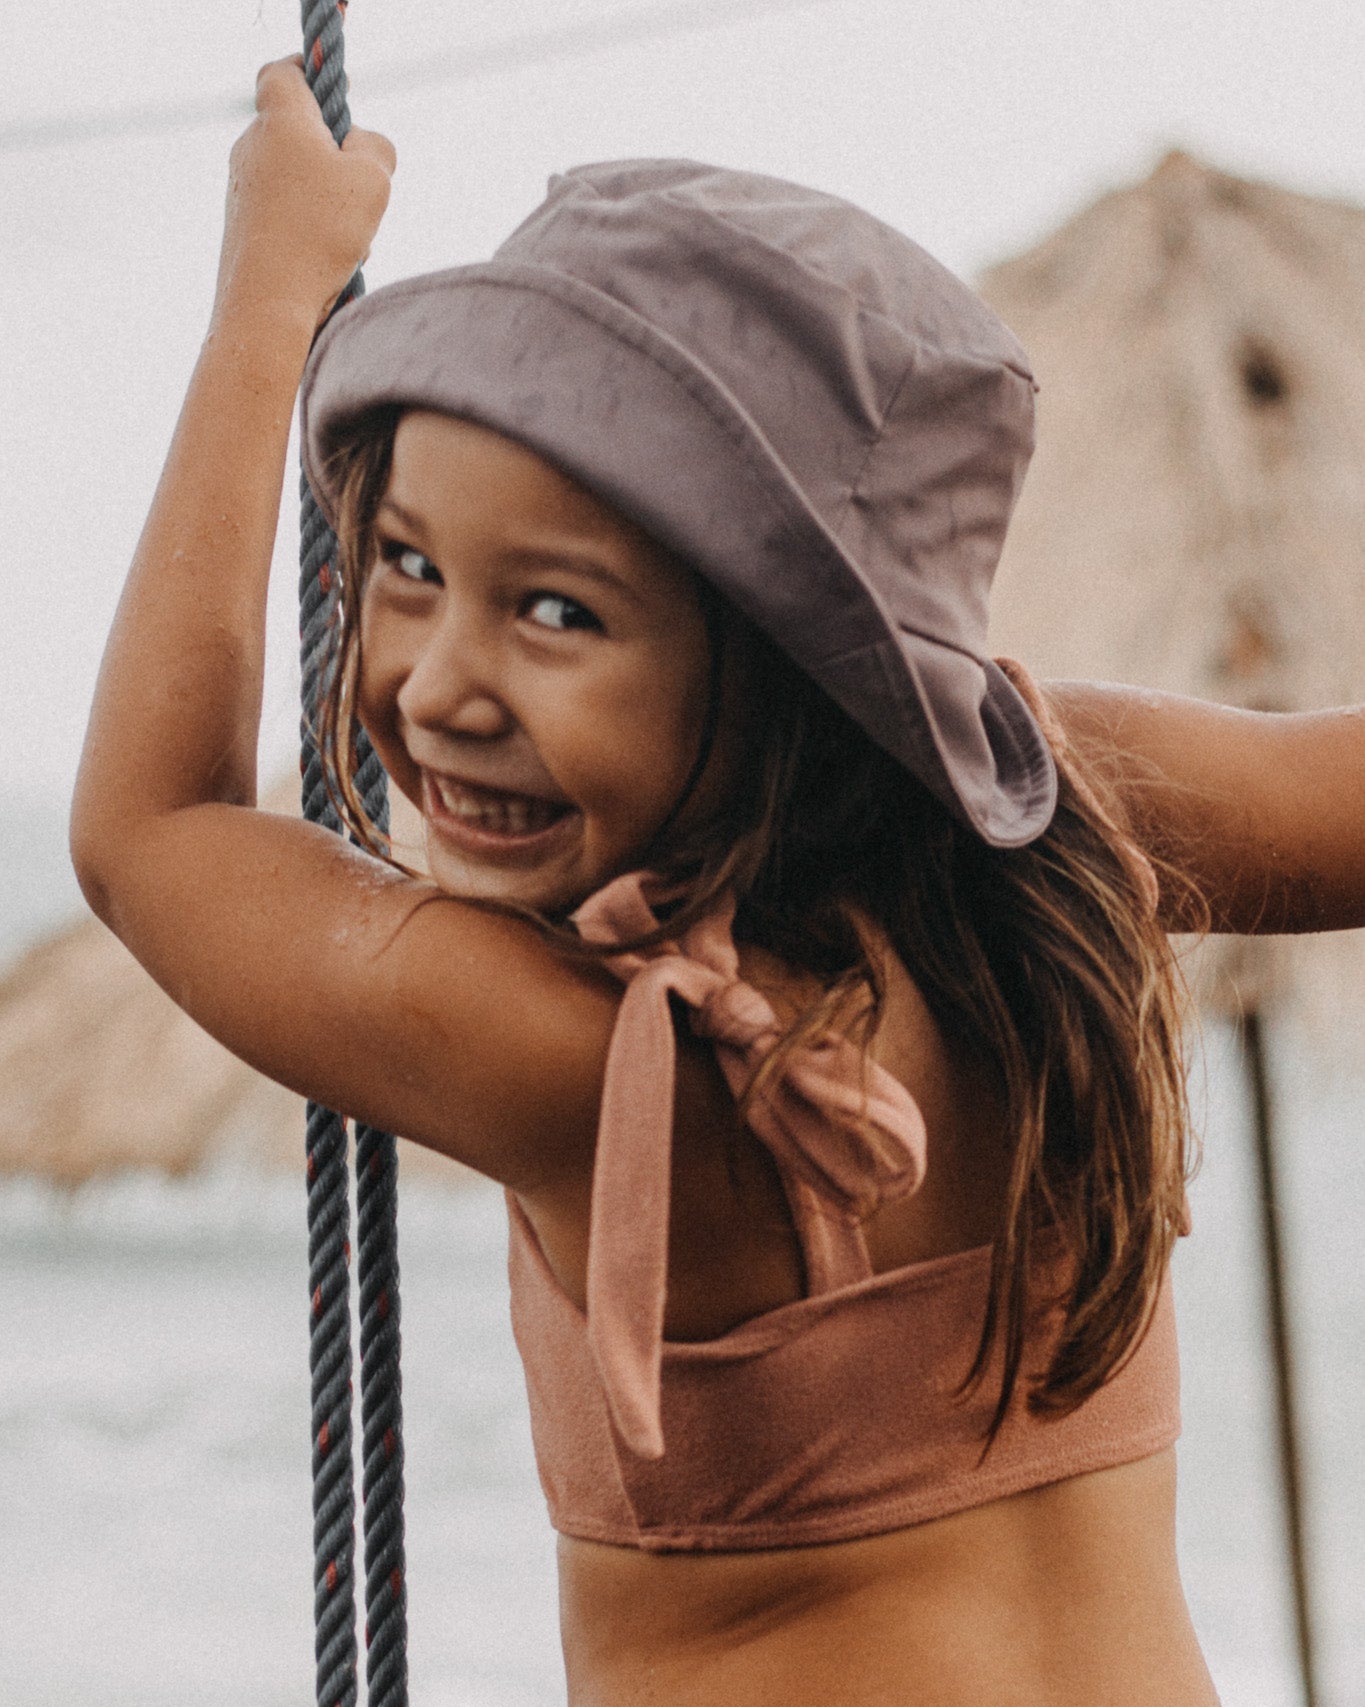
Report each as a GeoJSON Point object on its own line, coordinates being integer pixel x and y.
{"type": "Point", "coordinates": [554, 610]}
{"type": "Point", "coordinates": [410, 563]}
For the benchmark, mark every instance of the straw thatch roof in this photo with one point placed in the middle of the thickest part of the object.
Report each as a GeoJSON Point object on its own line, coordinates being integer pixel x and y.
{"type": "Point", "coordinates": [99, 1070]}
{"type": "Point", "coordinates": [1195, 515]}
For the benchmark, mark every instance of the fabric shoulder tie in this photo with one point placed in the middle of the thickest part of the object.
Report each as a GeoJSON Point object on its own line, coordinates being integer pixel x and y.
{"type": "Point", "coordinates": [830, 1116]}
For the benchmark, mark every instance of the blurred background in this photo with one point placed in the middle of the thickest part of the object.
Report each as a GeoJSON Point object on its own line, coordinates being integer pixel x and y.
{"type": "Point", "coordinates": [1164, 204]}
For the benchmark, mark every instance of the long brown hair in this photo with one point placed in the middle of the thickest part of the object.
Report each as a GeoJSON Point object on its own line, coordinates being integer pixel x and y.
{"type": "Point", "coordinates": [1046, 964]}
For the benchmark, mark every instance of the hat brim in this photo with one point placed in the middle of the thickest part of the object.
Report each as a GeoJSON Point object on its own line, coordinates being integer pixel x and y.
{"type": "Point", "coordinates": [624, 409]}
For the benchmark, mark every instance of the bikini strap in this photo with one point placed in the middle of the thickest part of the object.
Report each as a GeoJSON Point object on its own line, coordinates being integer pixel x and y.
{"type": "Point", "coordinates": [845, 1135]}
{"type": "Point", "coordinates": [833, 1248]}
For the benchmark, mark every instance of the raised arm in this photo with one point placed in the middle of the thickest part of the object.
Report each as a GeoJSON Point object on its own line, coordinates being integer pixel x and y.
{"type": "Point", "coordinates": [176, 709]}
{"type": "Point", "coordinates": [347, 981]}
{"type": "Point", "coordinates": [1264, 813]}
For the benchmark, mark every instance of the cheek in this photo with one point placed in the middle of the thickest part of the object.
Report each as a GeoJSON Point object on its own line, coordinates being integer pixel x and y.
{"type": "Point", "coordinates": [374, 689]}
{"type": "Point", "coordinates": [684, 690]}
{"type": "Point", "coordinates": [381, 674]}
{"type": "Point", "coordinates": [642, 736]}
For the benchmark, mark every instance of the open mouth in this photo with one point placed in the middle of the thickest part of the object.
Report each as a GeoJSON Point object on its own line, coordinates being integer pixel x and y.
{"type": "Point", "coordinates": [477, 816]}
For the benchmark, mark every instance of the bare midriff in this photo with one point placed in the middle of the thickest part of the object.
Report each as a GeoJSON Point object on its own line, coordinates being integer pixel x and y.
{"type": "Point", "coordinates": [1064, 1596]}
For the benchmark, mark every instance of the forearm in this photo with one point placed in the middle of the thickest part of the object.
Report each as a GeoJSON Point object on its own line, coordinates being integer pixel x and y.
{"type": "Point", "coordinates": [1264, 814]}
{"type": "Point", "coordinates": [177, 705]}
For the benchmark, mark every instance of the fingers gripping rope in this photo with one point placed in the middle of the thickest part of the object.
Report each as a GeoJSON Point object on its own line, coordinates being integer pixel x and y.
{"type": "Point", "coordinates": [376, 1167]}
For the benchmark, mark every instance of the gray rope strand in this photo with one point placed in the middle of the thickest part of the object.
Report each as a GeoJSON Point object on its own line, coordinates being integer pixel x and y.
{"type": "Point", "coordinates": [329, 1350]}
{"type": "Point", "coordinates": [381, 1420]}
{"type": "Point", "coordinates": [377, 1166]}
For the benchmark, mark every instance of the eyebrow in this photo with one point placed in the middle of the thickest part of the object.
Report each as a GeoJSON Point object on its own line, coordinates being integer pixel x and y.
{"type": "Point", "coordinates": [407, 517]}
{"type": "Point", "coordinates": [577, 563]}
{"type": "Point", "coordinates": [589, 565]}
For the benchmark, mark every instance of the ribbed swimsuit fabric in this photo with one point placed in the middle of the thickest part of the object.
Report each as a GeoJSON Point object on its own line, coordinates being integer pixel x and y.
{"type": "Point", "coordinates": [826, 1419]}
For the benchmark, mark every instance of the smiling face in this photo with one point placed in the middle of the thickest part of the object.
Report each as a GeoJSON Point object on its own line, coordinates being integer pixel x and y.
{"type": "Point", "coordinates": [534, 670]}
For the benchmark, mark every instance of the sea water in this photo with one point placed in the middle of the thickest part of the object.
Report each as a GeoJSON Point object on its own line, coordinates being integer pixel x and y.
{"type": "Point", "coordinates": [154, 1503]}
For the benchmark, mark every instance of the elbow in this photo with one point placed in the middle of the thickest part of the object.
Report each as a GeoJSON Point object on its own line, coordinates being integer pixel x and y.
{"type": "Point", "coordinates": [85, 848]}
{"type": "Point", "coordinates": [96, 837]}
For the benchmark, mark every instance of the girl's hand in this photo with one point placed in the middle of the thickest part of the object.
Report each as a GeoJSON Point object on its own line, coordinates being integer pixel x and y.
{"type": "Point", "coordinates": [301, 212]}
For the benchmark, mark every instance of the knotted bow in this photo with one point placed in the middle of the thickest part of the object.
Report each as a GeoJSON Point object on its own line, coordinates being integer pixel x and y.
{"type": "Point", "coordinates": [831, 1118]}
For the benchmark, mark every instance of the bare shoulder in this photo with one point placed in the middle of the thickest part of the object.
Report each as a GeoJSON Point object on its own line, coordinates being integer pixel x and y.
{"type": "Point", "coordinates": [371, 991]}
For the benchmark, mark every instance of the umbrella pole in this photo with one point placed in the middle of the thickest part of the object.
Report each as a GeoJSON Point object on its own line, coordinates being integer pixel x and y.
{"type": "Point", "coordinates": [1251, 1036]}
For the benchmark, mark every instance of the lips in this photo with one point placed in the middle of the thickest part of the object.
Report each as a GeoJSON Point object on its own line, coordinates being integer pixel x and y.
{"type": "Point", "coordinates": [487, 820]}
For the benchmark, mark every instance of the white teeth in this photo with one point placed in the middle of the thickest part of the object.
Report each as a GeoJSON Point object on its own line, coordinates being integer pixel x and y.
{"type": "Point", "coordinates": [507, 816]}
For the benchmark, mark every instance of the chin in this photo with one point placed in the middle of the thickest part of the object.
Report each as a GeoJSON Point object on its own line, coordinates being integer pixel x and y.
{"type": "Point", "coordinates": [548, 893]}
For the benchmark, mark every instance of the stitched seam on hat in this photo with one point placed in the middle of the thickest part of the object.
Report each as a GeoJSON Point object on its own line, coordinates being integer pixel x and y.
{"type": "Point", "coordinates": [911, 367]}
{"type": "Point", "coordinates": [855, 485]}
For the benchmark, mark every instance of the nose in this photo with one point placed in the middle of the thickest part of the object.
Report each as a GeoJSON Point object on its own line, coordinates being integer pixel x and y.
{"type": "Point", "coordinates": [452, 685]}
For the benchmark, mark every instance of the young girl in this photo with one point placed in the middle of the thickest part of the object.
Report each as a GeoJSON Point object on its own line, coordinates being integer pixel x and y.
{"type": "Point", "coordinates": [776, 954]}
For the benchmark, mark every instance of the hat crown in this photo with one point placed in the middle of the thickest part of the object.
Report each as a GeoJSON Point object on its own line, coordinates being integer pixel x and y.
{"type": "Point", "coordinates": [897, 399]}
{"type": "Point", "coordinates": [652, 203]}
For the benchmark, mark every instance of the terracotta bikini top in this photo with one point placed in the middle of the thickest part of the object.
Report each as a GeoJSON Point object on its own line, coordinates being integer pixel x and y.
{"type": "Point", "coordinates": [825, 1419]}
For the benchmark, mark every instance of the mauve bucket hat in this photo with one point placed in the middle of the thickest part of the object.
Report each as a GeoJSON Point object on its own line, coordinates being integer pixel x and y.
{"type": "Point", "coordinates": [792, 396]}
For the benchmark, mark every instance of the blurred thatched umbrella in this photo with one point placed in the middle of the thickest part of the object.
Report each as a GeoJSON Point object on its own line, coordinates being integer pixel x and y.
{"type": "Point", "coordinates": [99, 1070]}
{"type": "Point", "coordinates": [1195, 516]}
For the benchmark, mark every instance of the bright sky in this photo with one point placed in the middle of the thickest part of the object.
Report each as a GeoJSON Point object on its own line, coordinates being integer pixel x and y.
{"type": "Point", "coordinates": [975, 127]}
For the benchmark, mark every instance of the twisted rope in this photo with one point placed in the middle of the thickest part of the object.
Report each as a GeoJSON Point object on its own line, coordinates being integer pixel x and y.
{"type": "Point", "coordinates": [329, 1356]}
